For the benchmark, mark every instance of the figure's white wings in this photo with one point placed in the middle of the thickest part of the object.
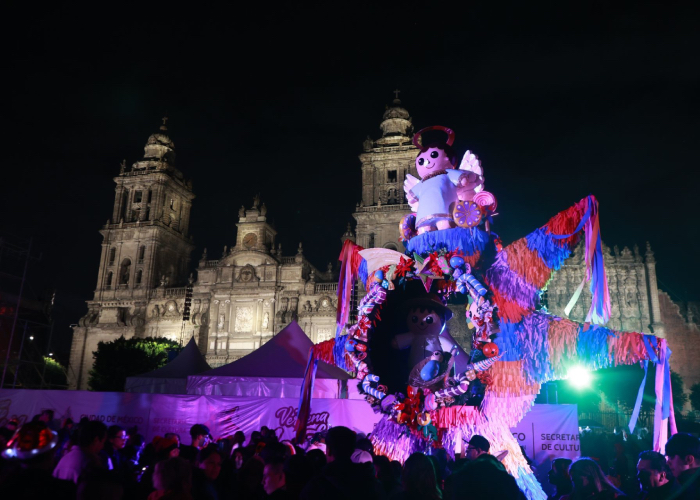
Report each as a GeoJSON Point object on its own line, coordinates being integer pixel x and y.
{"type": "Point", "coordinates": [409, 184]}
{"type": "Point", "coordinates": [471, 163]}
{"type": "Point", "coordinates": [379, 257]}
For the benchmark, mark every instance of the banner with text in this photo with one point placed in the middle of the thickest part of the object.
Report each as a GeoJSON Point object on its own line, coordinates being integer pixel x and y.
{"type": "Point", "coordinates": [156, 414]}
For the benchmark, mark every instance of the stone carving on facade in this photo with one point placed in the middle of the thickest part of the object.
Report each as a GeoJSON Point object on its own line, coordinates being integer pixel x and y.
{"type": "Point", "coordinates": [244, 319]}
{"type": "Point", "coordinates": [222, 320]}
{"type": "Point", "coordinates": [171, 309]}
{"type": "Point", "coordinates": [247, 274]}
{"type": "Point", "coordinates": [266, 321]}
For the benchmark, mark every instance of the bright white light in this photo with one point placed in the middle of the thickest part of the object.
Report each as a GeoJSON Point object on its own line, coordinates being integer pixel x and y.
{"type": "Point", "coordinates": [579, 377]}
{"type": "Point", "coordinates": [50, 354]}
{"type": "Point", "coordinates": [31, 337]}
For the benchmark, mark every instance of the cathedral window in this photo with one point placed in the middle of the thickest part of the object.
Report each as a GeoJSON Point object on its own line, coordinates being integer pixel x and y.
{"type": "Point", "coordinates": [139, 275]}
{"type": "Point", "coordinates": [142, 254]}
{"type": "Point", "coordinates": [112, 256]}
{"type": "Point", "coordinates": [108, 281]}
{"type": "Point", "coordinates": [222, 344]}
{"type": "Point", "coordinates": [172, 203]}
{"type": "Point", "coordinates": [124, 272]}
{"type": "Point", "coordinates": [212, 345]}
{"type": "Point", "coordinates": [138, 196]}
{"type": "Point", "coordinates": [391, 176]}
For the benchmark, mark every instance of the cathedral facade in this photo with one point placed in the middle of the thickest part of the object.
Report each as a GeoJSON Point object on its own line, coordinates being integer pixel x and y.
{"type": "Point", "coordinates": [241, 299]}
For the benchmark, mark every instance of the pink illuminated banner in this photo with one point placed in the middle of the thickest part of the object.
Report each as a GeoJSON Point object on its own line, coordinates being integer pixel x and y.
{"type": "Point", "coordinates": [156, 414]}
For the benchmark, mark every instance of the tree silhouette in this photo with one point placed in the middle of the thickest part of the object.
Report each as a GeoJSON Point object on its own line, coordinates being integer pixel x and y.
{"type": "Point", "coordinates": [122, 358]}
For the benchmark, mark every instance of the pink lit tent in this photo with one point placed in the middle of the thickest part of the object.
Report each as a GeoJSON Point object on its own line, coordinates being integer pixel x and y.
{"type": "Point", "coordinates": [171, 378]}
{"type": "Point", "coordinates": [275, 370]}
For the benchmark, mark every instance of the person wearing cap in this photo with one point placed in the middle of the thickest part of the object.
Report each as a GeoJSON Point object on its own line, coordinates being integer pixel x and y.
{"type": "Point", "coordinates": [683, 457]}
{"type": "Point", "coordinates": [200, 438]}
{"type": "Point", "coordinates": [477, 446]}
{"type": "Point", "coordinates": [30, 460]}
{"type": "Point", "coordinates": [91, 439]}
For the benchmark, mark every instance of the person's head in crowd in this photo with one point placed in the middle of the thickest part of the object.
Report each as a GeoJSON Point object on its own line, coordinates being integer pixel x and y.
{"type": "Point", "coordinates": [165, 448]}
{"type": "Point", "coordinates": [209, 460]}
{"type": "Point", "coordinates": [46, 416]}
{"type": "Point", "coordinates": [382, 466]}
{"type": "Point", "coordinates": [485, 478]}
{"type": "Point", "coordinates": [116, 437]}
{"type": "Point", "coordinates": [92, 436]}
{"type": "Point", "coordinates": [273, 476]}
{"type": "Point", "coordinates": [588, 479]}
{"type": "Point", "coordinates": [275, 451]}
{"type": "Point", "coordinates": [365, 444]}
{"type": "Point", "coordinates": [397, 467]}
{"type": "Point", "coordinates": [68, 424]}
{"type": "Point", "coordinates": [238, 439]}
{"type": "Point", "coordinates": [652, 470]}
{"type": "Point", "coordinates": [317, 459]}
{"type": "Point", "coordinates": [99, 483]}
{"type": "Point", "coordinates": [265, 431]}
{"type": "Point", "coordinates": [419, 478]}
{"type": "Point", "coordinates": [477, 446]}
{"type": "Point", "coordinates": [558, 475]}
{"type": "Point", "coordinates": [361, 457]}
{"type": "Point", "coordinates": [200, 435]}
{"type": "Point", "coordinates": [297, 473]}
{"type": "Point", "coordinates": [255, 438]}
{"type": "Point", "coordinates": [33, 445]}
{"type": "Point", "coordinates": [683, 452]}
{"type": "Point", "coordinates": [12, 425]}
{"type": "Point", "coordinates": [173, 475]}
{"type": "Point", "coordinates": [132, 451]}
{"type": "Point", "coordinates": [340, 443]}
{"type": "Point", "coordinates": [172, 435]}
{"type": "Point", "coordinates": [440, 461]}
{"type": "Point", "coordinates": [238, 458]}
{"type": "Point", "coordinates": [251, 474]}
{"type": "Point", "coordinates": [291, 449]}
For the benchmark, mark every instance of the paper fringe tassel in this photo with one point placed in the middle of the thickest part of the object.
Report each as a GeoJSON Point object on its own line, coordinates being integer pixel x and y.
{"type": "Point", "coordinates": [563, 343]}
{"type": "Point", "coordinates": [532, 336]}
{"type": "Point", "coordinates": [468, 241]}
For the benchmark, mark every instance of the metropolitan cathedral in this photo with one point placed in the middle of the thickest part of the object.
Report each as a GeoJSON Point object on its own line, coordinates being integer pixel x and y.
{"type": "Point", "coordinates": [242, 299]}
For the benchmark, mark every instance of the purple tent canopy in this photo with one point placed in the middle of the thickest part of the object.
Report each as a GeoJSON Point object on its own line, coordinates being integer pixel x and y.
{"type": "Point", "coordinates": [276, 369]}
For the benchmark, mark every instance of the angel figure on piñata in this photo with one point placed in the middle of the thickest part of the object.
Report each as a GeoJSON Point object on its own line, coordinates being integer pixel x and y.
{"type": "Point", "coordinates": [431, 397]}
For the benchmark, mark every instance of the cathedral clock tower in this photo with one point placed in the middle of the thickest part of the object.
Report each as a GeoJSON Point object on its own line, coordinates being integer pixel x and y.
{"type": "Point", "coordinates": [385, 163]}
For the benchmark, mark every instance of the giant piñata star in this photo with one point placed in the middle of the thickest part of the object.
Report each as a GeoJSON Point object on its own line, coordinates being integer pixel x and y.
{"type": "Point", "coordinates": [504, 286]}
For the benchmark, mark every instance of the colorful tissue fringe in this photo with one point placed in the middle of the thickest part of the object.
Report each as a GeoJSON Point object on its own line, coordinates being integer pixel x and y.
{"type": "Point", "coordinates": [538, 347]}
{"type": "Point", "coordinates": [468, 241]}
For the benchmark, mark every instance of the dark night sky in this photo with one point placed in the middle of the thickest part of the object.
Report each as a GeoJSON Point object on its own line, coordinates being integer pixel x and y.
{"type": "Point", "coordinates": [558, 103]}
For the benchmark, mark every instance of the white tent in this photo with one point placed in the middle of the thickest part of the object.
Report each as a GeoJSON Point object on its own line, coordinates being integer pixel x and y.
{"type": "Point", "coordinates": [171, 378]}
{"type": "Point", "coordinates": [275, 370]}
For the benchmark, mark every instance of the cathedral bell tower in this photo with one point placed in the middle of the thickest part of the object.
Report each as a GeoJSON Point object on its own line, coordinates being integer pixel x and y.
{"type": "Point", "coordinates": [146, 242]}
{"type": "Point", "coordinates": [145, 249]}
{"type": "Point", "coordinates": [385, 163]}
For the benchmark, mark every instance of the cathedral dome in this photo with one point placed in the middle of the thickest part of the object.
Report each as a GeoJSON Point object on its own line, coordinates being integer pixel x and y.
{"type": "Point", "coordinates": [159, 146]}
{"type": "Point", "coordinates": [396, 111]}
{"type": "Point", "coordinates": [396, 121]}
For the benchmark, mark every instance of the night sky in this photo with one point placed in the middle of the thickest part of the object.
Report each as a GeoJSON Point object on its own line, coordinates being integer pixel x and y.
{"type": "Point", "coordinates": [557, 103]}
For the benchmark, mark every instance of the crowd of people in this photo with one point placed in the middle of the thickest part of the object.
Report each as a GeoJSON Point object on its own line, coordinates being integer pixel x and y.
{"type": "Point", "coordinates": [89, 460]}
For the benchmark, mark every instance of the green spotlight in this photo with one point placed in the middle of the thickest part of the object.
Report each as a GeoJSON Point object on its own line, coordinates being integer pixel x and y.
{"type": "Point", "coordinates": [579, 377]}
